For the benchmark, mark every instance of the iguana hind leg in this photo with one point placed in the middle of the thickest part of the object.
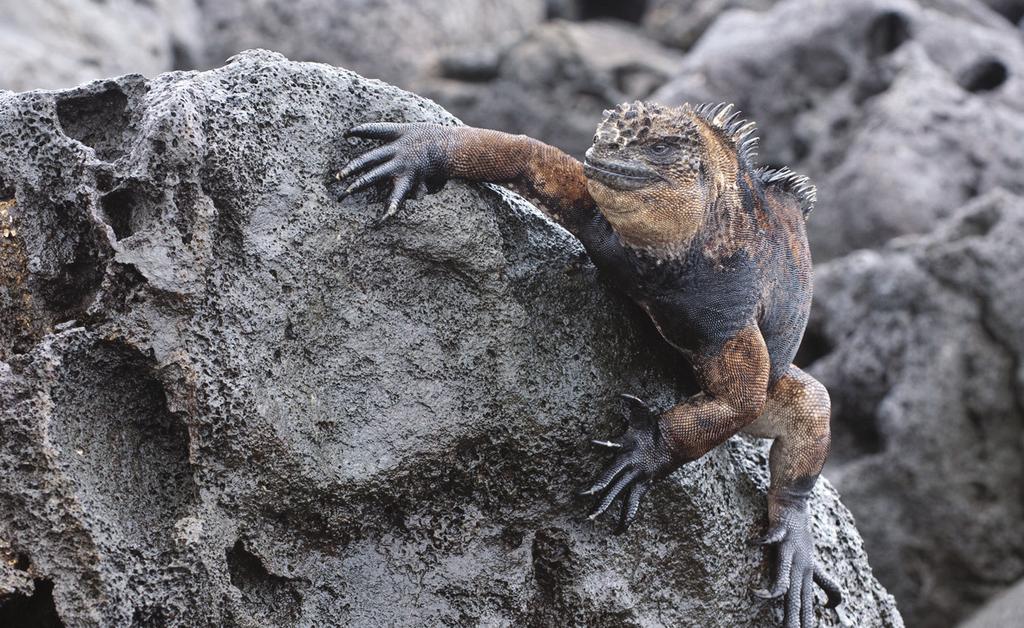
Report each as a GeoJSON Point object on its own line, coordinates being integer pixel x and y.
{"type": "Point", "coordinates": [734, 381]}
{"type": "Point", "coordinates": [796, 415]}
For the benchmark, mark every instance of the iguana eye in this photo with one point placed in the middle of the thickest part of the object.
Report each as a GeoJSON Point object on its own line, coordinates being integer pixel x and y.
{"type": "Point", "coordinates": [660, 149]}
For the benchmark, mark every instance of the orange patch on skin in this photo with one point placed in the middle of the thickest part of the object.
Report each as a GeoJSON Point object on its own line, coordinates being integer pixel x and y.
{"type": "Point", "coordinates": [668, 215]}
{"type": "Point", "coordinates": [664, 216]}
{"type": "Point", "coordinates": [797, 416]}
{"type": "Point", "coordinates": [735, 386]}
{"type": "Point", "coordinates": [738, 374]}
{"type": "Point", "coordinates": [720, 158]}
{"type": "Point", "coordinates": [551, 179]}
{"type": "Point", "coordinates": [791, 219]}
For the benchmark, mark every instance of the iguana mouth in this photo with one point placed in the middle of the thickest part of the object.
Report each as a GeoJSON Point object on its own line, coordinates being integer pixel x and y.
{"type": "Point", "coordinates": [616, 174]}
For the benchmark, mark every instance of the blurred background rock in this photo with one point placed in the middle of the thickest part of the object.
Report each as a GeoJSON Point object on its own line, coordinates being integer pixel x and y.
{"type": "Point", "coordinates": [909, 116]}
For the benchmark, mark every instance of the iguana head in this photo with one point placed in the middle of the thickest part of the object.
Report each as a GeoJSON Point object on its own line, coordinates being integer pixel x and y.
{"type": "Point", "coordinates": [655, 171]}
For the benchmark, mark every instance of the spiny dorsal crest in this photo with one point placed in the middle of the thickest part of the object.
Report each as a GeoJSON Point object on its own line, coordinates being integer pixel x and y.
{"type": "Point", "coordinates": [798, 185]}
{"type": "Point", "coordinates": [740, 131]}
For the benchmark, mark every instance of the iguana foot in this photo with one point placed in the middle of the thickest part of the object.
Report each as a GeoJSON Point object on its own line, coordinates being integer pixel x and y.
{"type": "Point", "coordinates": [413, 161]}
{"type": "Point", "coordinates": [795, 568]}
{"type": "Point", "coordinates": [643, 457]}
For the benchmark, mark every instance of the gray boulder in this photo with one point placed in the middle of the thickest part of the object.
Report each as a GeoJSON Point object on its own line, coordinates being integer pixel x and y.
{"type": "Point", "coordinates": [400, 41]}
{"type": "Point", "coordinates": [680, 23]}
{"type": "Point", "coordinates": [1006, 609]}
{"type": "Point", "coordinates": [225, 400]}
{"type": "Point", "coordinates": [1011, 10]}
{"type": "Point", "coordinates": [899, 112]}
{"type": "Point", "coordinates": [921, 346]}
{"type": "Point", "coordinates": [60, 43]}
{"type": "Point", "coordinates": [555, 82]}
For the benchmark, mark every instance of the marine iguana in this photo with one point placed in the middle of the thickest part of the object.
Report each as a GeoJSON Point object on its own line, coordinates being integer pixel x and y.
{"type": "Point", "coordinates": [671, 206]}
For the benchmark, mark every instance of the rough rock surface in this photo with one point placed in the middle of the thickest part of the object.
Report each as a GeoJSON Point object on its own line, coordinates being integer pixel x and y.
{"type": "Point", "coordinates": [900, 112]}
{"type": "Point", "coordinates": [555, 82]}
{"type": "Point", "coordinates": [923, 345]}
{"type": "Point", "coordinates": [226, 401]}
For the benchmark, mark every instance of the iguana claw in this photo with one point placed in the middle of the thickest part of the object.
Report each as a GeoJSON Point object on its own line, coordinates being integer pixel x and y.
{"type": "Point", "coordinates": [643, 458]}
{"type": "Point", "coordinates": [795, 568]}
{"type": "Point", "coordinates": [412, 161]}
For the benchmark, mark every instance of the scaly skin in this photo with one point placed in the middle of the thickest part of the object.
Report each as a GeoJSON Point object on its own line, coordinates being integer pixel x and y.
{"type": "Point", "coordinates": [670, 206]}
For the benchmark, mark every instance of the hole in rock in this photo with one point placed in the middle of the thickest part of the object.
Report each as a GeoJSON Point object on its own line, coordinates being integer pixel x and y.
{"type": "Point", "coordinates": [271, 598]}
{"type": "Point", "coordinates": [887, 32]}
{"type": "Point", "coordinates": [78, 270]}
{"type": "Point", "coordinates": [35, 611]}
{"type": "Point", "coordinates": [117, 207]}
{"type": "Point", "coordinates": [823, 67]}
{"type": "Point", "coordinates": [97, 120]}
{"type": "Point", "coordinates": [630, 11]}
{"type": "Point", "coordinates": [104, 180]}
{"type": "Point", "coordinates": [127, 453]}
{"type": "Point", "coordinates": [980, 223]}
{"type": "Point", "coordinates": [1012, 10]}
{"type": "Point", "coordinates": [984, 76]}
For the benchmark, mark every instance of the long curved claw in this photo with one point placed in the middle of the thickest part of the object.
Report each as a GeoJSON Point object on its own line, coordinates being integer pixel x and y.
{"type": "Point", "coordinates": [796, 571]}
{"type": "Point", "coordinates": [373, 176]}
{"type": "Point", "coordinates": [607, 477]}
{"type": "Point", "coordinates": [414, 160]}
{"type": "Point", "coordinates": [781, 578]}
{"type": "Point", "coordinates": [370, 158]}
{"type": "Point", "coordinates": [614, 491]}
{"type": "Point", "coordinates": [776, 534]}
{"type": "Point", "coordinates": [377, 130]}
{"type": "Point", "coordinates": [631, 505]}
{"type": "Point", "coordinates": [636, 412]}
{"type": "Point", "coordinates": [643, 455]}
{"type": "Point", "coordinates": [399, 193]}
{"type": "Point", "coordinates": [783, 573]}
{"type": "Point", "coordinates": [832, 590]}
{"type": "Point", "coordinates": [772, 594]}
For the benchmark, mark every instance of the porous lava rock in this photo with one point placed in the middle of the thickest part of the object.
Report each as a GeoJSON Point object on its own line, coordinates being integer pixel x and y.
{"type": "Point", "coordinates": [225, 399]}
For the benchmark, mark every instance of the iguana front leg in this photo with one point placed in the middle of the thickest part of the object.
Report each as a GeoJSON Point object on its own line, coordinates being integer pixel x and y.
{"type": "Point", "coordinates": [734, 382]}
{"type": "Point", "coordinates": [795, 411]}
{"type": "Point", "coordinates": [797, 417]}
{"type": "Point", "coordinates": [421, 158]}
